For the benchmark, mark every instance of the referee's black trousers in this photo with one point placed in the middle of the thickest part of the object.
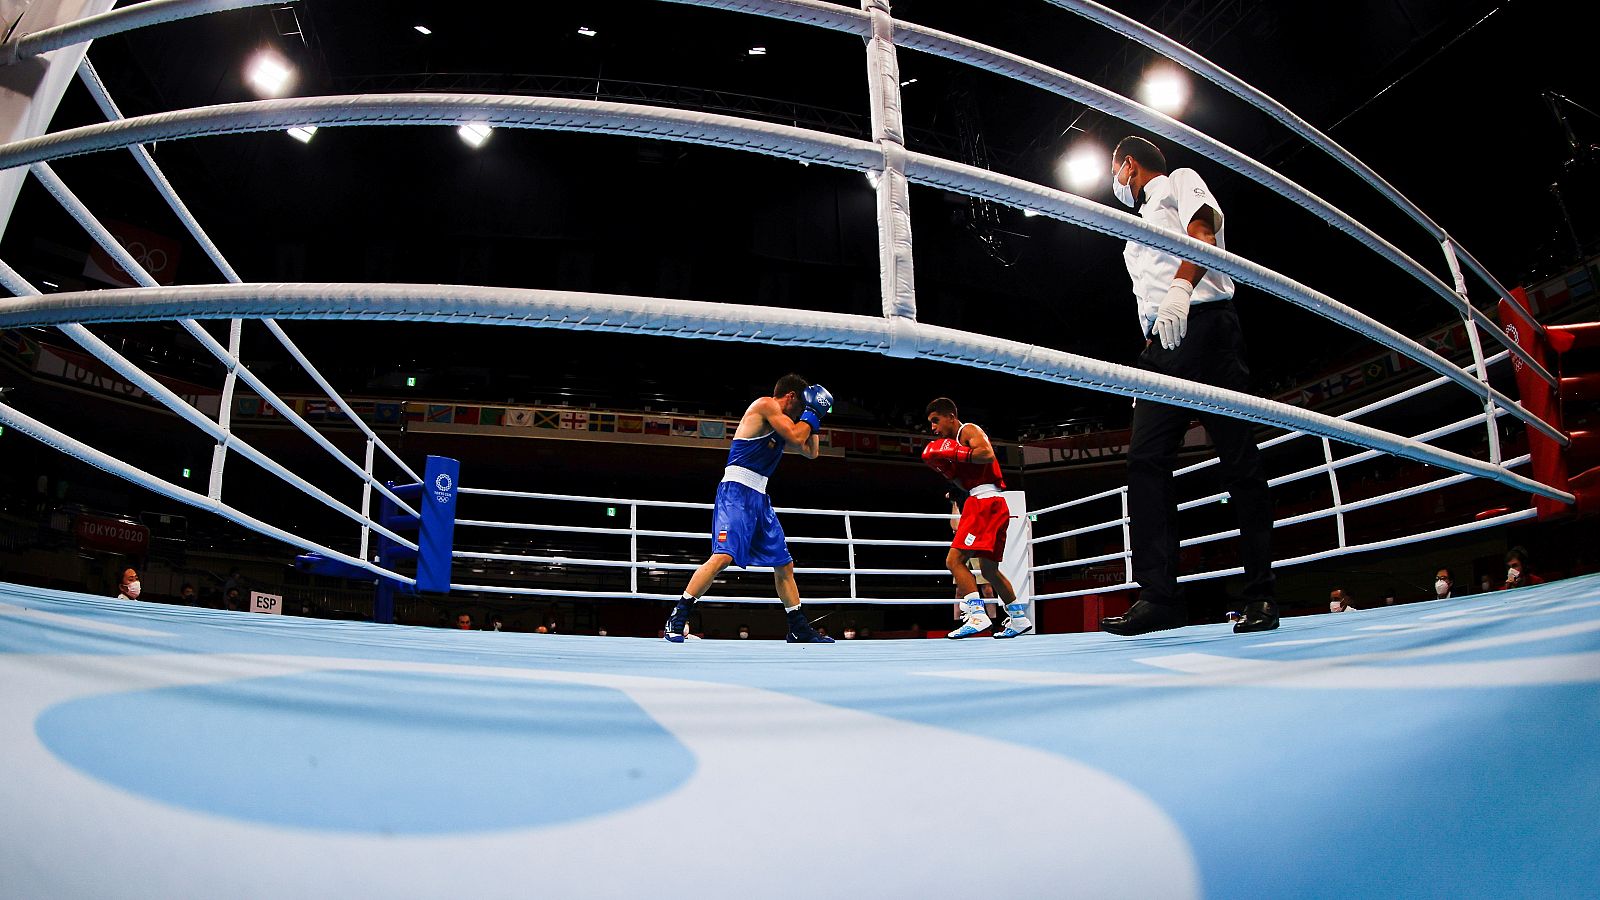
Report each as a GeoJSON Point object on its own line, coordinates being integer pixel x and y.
{"type": "Point", "coordinates": [1211, 353]}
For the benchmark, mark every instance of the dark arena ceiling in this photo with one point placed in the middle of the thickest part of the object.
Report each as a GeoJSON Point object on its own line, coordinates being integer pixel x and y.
{"type": "Point", "coordinates": [1445, 99]}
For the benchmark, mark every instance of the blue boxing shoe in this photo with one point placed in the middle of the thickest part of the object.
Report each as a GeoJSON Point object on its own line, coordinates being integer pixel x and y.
{"type": "Point", "coordinates": [800, 630]}
{"type": "Point", "coordinates": [678, 622]}
{"type": "Point", "coordinates": [1017, 622]}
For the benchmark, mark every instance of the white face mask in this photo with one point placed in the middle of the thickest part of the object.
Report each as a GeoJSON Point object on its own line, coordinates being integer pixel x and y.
{"type": "Point", "coordinates": [132, 590]}
{"type": "Point", "coordinates": [743, 635]}
{"type": "Point", "coordinates": [1123, 190]}
{"type": "Point", "coordinates": [1441, 587]}
{"type": "Point", "coordinates": [1334, 606]}
{"type": "Point", "coordinates": [1513, 574]}
{"type": "Point", "coordinates": [849, 635]}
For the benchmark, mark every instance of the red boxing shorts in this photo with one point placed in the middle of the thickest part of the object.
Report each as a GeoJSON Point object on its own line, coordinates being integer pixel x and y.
{"type": "Point", "coordinates": [982, 530]}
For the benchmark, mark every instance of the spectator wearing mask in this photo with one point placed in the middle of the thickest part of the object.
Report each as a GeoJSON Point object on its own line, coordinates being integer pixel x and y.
{"type": "Point", "coordinates": [744, 632]}
{"type": "Point", "coordinates": [186, 595]}
{"type": "Point", "coordinates": [128, 589]}
{"type": "Point", "coordinates": [1518, 573]}
{"type": "Point", "coordinates": [1339, 601]}
{"type": "Point", "coordinates": [463, 622]}
{"type": "Point", "coordinates": [1444, 585]}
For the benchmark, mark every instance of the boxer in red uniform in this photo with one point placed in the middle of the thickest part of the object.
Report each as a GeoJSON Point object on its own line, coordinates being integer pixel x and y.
{"type": "Point", "coordinates": [961, 452]}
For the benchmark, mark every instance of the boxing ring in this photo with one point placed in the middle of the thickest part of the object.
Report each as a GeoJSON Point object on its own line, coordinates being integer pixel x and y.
{"type": "Point", "coordinates": [201, 752]}
{"type": "Point", "coordinates": [1437, 749]}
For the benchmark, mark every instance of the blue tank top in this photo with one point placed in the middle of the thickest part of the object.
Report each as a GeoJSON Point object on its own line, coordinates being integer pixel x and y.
{"type": "Point", "coordinates": [758, 454]}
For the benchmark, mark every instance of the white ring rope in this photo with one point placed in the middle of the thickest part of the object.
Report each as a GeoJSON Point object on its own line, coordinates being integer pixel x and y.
{"type": "Point", "coordinates": [102, 97]}
{"type": "Point", "coordinates": [161, 393]}
{"type": "Point", "coordinates": [715, 130]}
{"type": "Point", "coordinates": [897, 335]}
{"type": "Point", "coordinates": [715, 321]}
{"type": "Point", "coordinates": [108, 242]}
{"type": "Point", "coordinates": [43, 433]}
{"type": "Point", "coordinates": [1017, 68]}
{"type": "Point", "coordinates": [116, 21]}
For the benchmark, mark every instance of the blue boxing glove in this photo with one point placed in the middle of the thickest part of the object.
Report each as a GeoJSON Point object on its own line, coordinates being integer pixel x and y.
{"type": "Point", "coordinates": [819, 402]}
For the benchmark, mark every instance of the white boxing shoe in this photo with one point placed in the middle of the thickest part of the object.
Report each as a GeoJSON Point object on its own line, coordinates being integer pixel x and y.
{"type": "Point", "coordinates": [1014, 626]}
{"type": "Point", "coordinates": [974, 623]}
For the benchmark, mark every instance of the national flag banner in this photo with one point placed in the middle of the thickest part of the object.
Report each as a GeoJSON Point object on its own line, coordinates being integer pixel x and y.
{"type": "Point", "coordinates": [441, 414]}
{"type": "Point", "coordinates": [867, 443]}
{"type": "Point", "coordinates": [713, 429]}
{"type": "Point", "coordinates": [492, 415]}
{"type": "Point", "coordinates": [1379, 369]}
{"type": "Point", "coordinates": [844, 440]}
{"type": "Point", "coordinates": [522, 417]}
{"type": "Point", "coordinates": [416, 412]}
{"type": "Point", "coordinates": [657, 425]}
{"type": "Point", "coordinates": [365, 410]}
{"type": "Point", "coordinates": [630, 424]}
{"type": "Point", "coordinates": [248, 406]}
{"type": "Point", "coordinates": [546, 418]}
{"type": "Point", "coordinates": [892, 444]}
{"type": "Point", "coordinates": [685, 427]}
{"type": "Point", "coordinates": [313, 409]}
{"type": "Point", "coordinates": [602, 422]}
{"type": "Point", "coordinates": [466, 415]}
{"type": "Point", "coordinates": [1441, 341]}
{"type": "Point", "coordinates": [575, 421]}
{"type": "Point", "coordinates": [388, 413]}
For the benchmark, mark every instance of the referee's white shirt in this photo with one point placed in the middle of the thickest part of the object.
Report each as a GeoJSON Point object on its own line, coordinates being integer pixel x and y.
{"type": "Point", "coordinates": [1170, 202]}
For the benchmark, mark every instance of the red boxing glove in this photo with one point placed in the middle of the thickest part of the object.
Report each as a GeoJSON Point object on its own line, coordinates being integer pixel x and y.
{"type": "Point", "coordinates": [949, 449]}
{"type": "Point", "coordinates": [942, 455]}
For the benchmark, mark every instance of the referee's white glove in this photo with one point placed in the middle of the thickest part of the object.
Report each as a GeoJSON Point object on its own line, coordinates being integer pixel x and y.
{"type": "Point", "coordinates": [1172, 316]}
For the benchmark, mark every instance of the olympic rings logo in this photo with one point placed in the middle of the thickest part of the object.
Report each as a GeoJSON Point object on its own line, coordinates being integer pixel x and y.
{"type": "Point", "coordinates": [151, 259]}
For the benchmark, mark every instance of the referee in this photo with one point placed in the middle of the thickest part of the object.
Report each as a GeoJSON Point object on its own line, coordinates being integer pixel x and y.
{"type": "Point", "coordinates": [1192, 332]}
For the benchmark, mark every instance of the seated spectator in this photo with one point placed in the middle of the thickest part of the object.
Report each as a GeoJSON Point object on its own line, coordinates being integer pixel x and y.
{"type": "Point", "coordinates": [1518, 573]}
{"type": "Point", "coordinates": [744, 632]}
{"type": "Point", "coordinates": [1339, 601]}
{"type": "Point", "coordinates": [129, 587]}
{"type": "Point", "coordinates": [1444, 585]}
{"type": "Point", "coordinates": [232, 601]}
{"type": "Point", "coordinates": [463, 622]}
{"type": "Point", "coordinates": [186, 595]}
{"type": "Point", "coordinates": [495, 624]}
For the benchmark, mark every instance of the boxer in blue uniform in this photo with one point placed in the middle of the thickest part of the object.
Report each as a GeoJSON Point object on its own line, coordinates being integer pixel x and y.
{"type": "Point", "coordinates": [744, 529]}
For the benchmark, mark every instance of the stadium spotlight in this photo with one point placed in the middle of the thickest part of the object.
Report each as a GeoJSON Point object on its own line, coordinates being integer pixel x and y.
{"type": "Point", "coordinates": [1165, 89]}
{"type": "Point", "coordinates": [475, 133]}
{"type": "Point", "coordinates": [270, 74]}
{"type": "Point", "coordinates": [1085, 166]}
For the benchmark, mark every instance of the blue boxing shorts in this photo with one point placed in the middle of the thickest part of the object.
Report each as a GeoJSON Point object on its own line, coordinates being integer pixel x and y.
{"type": "Point", "coordinates": [744, 527]}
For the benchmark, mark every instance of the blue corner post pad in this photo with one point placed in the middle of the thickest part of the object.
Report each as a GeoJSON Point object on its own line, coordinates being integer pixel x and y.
{"type": "Point", "coordinates": [440, 482]}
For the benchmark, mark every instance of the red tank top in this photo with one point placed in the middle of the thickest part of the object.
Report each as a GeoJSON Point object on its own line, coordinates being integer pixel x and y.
{"type": "Point", "coordinates": [971, 474]}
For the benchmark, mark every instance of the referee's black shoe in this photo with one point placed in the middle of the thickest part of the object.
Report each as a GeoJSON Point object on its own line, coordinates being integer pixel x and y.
{"type": "Point", "coordinates": [1144, 617]}
{"type": "Point", "coordinates": [1261, 615]}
